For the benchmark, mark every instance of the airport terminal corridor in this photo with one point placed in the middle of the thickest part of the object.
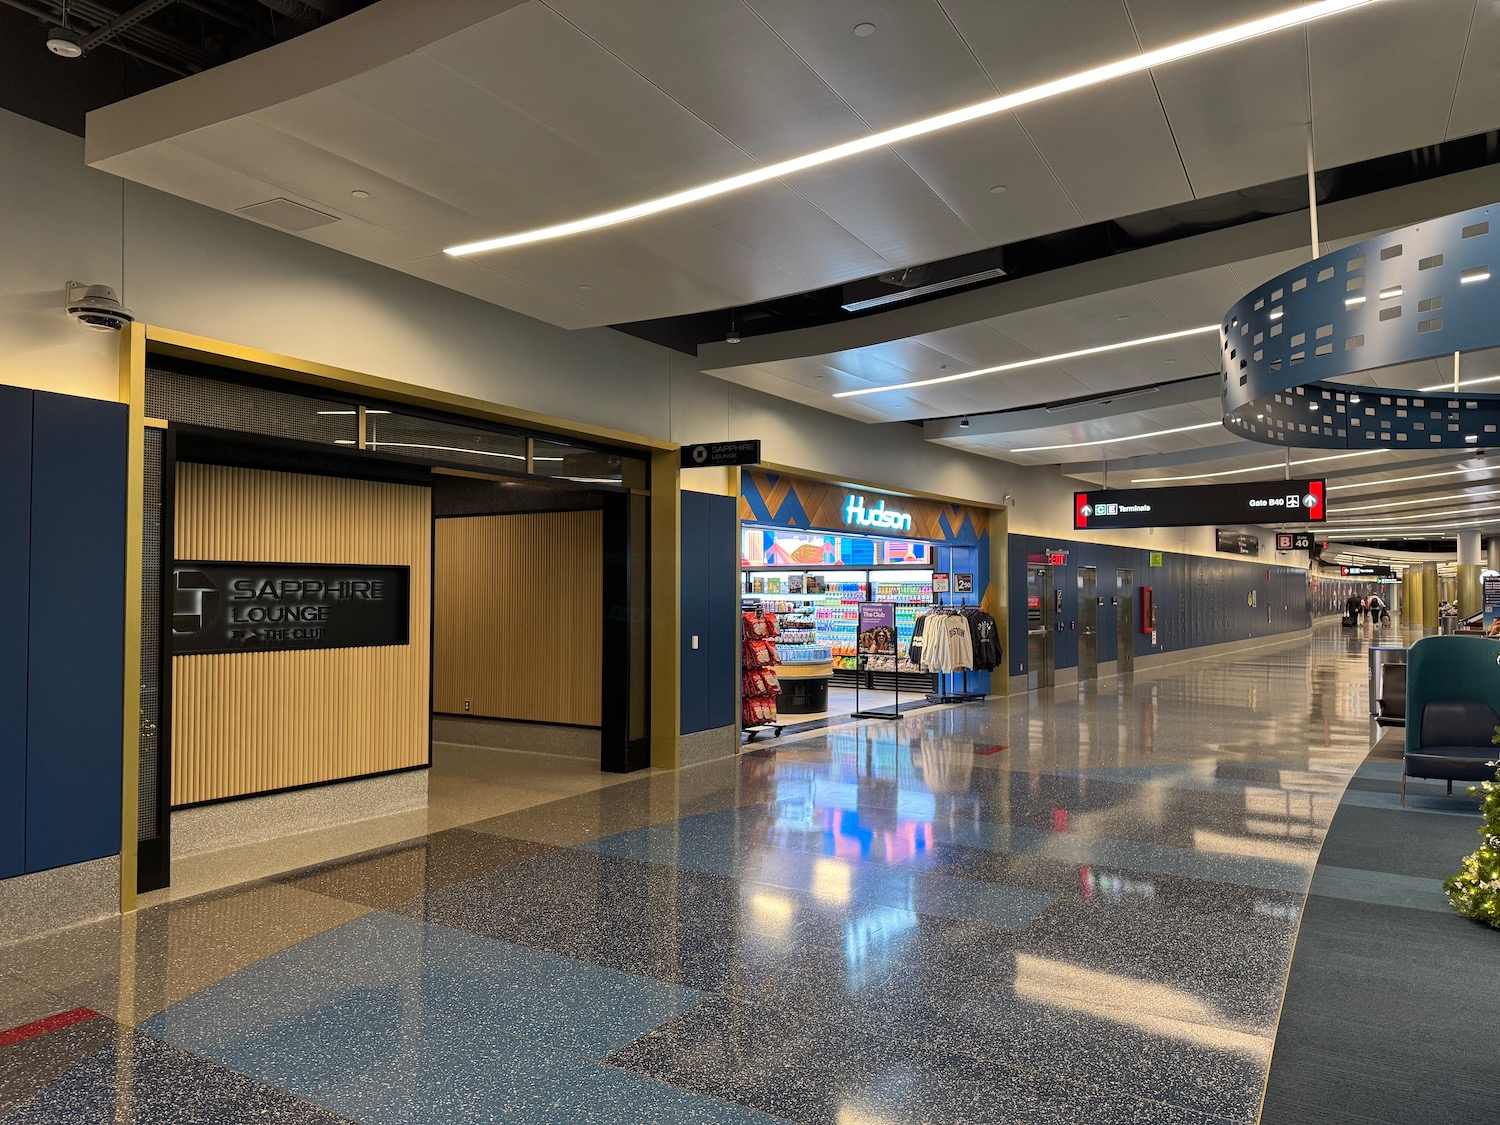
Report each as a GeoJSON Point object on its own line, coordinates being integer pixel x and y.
{"type": "Point", "coordinates": [1077, 905]}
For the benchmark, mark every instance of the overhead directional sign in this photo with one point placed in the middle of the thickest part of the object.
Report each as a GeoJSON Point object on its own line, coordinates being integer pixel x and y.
{"type": "Point", "coordinates": [719, 453]}
{"type": "Point", "coordinates": [1278, 501]}
{"type": "Point", "coordinates": [1294, 541]}
{"type": "Point", "coordinates": [1367, 572]}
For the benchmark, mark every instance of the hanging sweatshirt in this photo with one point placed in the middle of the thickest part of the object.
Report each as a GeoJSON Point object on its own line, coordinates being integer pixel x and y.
{"type": "Point", "coordinates": [959, 654]}
{"type": "Point", "coordinates": [988, 652]}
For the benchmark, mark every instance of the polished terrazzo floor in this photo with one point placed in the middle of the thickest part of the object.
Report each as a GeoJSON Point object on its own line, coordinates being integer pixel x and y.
{"type": "Point", "coordinates": [1075, 907]}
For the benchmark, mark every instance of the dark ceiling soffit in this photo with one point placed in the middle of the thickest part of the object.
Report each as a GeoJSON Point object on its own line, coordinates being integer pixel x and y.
{"type": "Point", "coordinates": [1349, 218]}
{"type": "Point", "coordinates": [1200, 388]}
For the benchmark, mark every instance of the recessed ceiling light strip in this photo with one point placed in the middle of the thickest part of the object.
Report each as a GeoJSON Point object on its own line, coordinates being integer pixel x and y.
{"type": "Point", "coordinates": [1258, 468]}
{"type": "Point", "coordinates": [1419, 500]}
{"type": "Point", "coordinates": [1136, 64]}
{"type": "Point", "coordinates": [1117, 440]}
{"type": "Point", "coordinates": [1034, 361]}
{"type": "Point", "coordinates": [1420, 476]}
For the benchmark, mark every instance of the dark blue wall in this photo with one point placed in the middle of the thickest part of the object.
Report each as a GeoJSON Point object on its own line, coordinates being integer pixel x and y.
{"type": "Point", "coordinates": [15, 601]}
{"type": "Point", "coordinates": [64, 547]}
{"type": "Point", "coordinates": [710, 602]}
{"type": "Point", "coordinates": [1199, 601]}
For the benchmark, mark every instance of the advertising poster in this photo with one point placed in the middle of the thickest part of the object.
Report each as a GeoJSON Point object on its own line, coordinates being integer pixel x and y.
{"type": "Point", "coordinates": [940, 583]}
{"type": "Point", "coordinates": [877, 628]}
{"type": "Point", "coordinates": [1491, 599]}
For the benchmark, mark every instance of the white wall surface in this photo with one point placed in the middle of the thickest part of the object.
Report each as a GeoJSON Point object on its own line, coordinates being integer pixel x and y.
{"type": "Point", "coordinates": [186, 267]}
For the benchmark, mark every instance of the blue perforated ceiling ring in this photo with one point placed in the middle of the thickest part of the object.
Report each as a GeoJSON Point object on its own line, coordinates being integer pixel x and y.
{"type": "Point", "coordinates": [1414, 294]}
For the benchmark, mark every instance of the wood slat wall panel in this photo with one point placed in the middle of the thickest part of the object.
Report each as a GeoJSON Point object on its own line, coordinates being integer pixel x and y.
{"type": "Point", "coordinates": [251, 722]}
{"type": "Point", "coordinates": [518, 607]}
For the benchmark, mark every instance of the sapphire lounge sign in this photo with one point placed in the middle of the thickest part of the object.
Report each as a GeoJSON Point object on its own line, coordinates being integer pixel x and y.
{"type": "Point", "coordinates": [878, 518]}
{"type": "Point", "coordinates": [220, 607]}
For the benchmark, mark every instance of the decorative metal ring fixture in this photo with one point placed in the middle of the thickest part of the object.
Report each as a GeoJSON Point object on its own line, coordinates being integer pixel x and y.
{"type": "Point", "coordinates": [1414, 294]}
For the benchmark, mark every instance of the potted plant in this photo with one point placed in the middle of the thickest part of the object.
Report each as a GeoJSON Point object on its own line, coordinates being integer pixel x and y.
{"type": "Point", "coordinates": [1475, 890]}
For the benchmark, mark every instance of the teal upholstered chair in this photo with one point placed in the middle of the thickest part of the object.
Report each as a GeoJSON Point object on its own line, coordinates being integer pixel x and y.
{"type": "Point", "coordinates": [1452, 693]}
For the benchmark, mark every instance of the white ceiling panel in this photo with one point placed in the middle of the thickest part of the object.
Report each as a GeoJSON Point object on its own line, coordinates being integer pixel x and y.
{"type": "Point", "coordinates": [1227, 139]}
{"type": "Point", "coordinates": [486, 284]}
{"type": "Point", "coordinates": [532, 59]}
{"type": "Point", "coordinates": [883, 203]}
{"type": "Point", "coordinates": [1121, 314]}
{"type": "Point", "coordinates": [1200, 297]}
{"type": "Point", "coordinates": [914, 65]}
{"type": "Point", "coordinates": [1111, 147]}
{"type": "Point", "coordinates": [963, 165]}
{"type": "Point", "coordinates": [1476, 106]}
{"type": "Point", "coordinates": [1384, 77]}
{"type": "Point", "coordinates": [722, 61]}
{"type": "Point", "coordinates": [1022, 45]}
{"type": "Point", "coordinates": [784, 227]}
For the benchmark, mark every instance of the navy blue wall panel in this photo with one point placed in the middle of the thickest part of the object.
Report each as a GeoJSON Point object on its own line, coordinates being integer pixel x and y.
{"type": "Point", "coordinates": [1199, 600]}
{"type": "Point", "coordinates": [723, 558]}
{"type": "Point", "coordinates": [710, 597]}
{"type": "Point", "coordinates": [78, 471]}
{"type": "Point", "coordinates": [15, 597]}
{"type": "Point", "coordinates": [694, 615]}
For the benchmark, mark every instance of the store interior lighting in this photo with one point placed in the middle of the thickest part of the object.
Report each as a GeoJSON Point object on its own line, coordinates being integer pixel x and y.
{"type": "Point", "coordinates": [1095, 76]}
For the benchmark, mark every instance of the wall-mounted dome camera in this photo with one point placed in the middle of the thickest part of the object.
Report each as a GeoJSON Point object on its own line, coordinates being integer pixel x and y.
{"type": "Point", "coordinates": [64, 41]}
{"type": "Point", "coordinates": [98, 307]}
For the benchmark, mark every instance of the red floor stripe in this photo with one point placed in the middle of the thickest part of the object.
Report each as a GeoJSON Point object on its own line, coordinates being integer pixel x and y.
{"type": "Point", "coordinates": [990, 750]}
{"type": "Point", "coordinates": [43, 1026]}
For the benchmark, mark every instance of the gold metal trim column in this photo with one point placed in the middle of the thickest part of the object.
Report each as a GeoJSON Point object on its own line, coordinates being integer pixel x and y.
{"type": "Point", "coordinates": [133, 394]}
{"type": "Point", "coordinates": [1000, 595]}
{"type": "Point", "coordinates": [666, 609]}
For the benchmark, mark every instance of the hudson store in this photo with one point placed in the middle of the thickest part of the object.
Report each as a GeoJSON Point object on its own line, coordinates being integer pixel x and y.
{"type": "Point", "coordinates": [811, 554]}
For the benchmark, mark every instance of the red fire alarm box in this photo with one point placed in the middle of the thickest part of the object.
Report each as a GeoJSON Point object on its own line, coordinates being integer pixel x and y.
{"type": "Point", "coordinates": [1148, 610]}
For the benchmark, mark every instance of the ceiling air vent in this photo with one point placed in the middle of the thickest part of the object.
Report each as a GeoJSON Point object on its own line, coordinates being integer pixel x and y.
{"type": "Point", "coordinates": [287, 215]}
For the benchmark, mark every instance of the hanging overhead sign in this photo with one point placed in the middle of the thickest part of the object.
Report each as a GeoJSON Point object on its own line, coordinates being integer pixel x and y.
{"type": "Point", "coordinates": [1281, 501]}
{"type": "Point", "coordinates": [1294, 541]}
{"type": "Point", "coordinates": [1236, 543]}
{"type": "Point", "coordinates": [717, 453]}
{"type": "Point", "coordinates": [1367, 572]}
{"type": "Point", "coordinates": [220, 607]}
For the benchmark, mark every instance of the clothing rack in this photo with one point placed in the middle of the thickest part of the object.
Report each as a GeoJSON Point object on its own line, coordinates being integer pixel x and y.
{"type": "Point", "coordinates": [951, 696]}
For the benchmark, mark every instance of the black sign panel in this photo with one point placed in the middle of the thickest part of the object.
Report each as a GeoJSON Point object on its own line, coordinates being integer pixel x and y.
{"type": "Point", "coordinates": [1367, 572]}
{"type": "Point", "coordinates": [721, 453]}
{"type": "Point", "coordinates": [963, 583]}
{"type": "Point", "coordinates": [278, 607]}
{"type": "Point", "coordinates": [1278, 501]}
{"type": "Point", "coordinates": [1236, 543]}
{"type": "Point", "coordinates": [1294, 541]}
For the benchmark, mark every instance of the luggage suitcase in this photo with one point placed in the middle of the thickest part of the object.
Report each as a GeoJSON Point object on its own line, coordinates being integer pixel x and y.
{"type": "Point", "coordinates": [1348, 622]}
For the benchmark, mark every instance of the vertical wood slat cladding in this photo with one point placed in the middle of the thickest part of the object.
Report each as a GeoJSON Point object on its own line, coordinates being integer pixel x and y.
{"type": "Point", "coordinates": [257, 721]}
{"type": "Point", "coordinates": [518, 611]}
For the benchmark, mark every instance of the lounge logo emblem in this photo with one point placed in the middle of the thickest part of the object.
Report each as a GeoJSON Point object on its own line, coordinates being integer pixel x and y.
{"type": "Point", "coordinates": [195, 602]}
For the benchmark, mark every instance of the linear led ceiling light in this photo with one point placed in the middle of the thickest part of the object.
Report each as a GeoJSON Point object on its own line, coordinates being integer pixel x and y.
{"type": "Point", "coordinates": [1034, 361]}
{"type": "Point", "coordinates": [1116, 440]}
{"type": "Point", "coordinates": [1462, 383]}
{"type": "Point", "coordinates": [1422, 476]}
{"type": "Point", "coordinates": [1419, 500]}
{"type": "Point", "coordinates": [1136, 64]}
{"type": "Point", "coordinates": [1257, 468]}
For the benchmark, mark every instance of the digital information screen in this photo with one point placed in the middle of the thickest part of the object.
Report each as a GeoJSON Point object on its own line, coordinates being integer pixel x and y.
{"type": "Point", "coordinates": [1280, 501]}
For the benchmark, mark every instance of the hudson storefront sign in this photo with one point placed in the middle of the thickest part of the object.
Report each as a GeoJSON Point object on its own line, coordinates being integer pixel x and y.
{"type": "Point", "coordinates": [879, 517]}
{"type": "Point", "coordinates": [222, 607]}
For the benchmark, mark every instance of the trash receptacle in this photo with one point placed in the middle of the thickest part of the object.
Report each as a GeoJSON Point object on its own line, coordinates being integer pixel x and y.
{"type": "Point", "coordinates": [1380, 656]}
{"type": "Point", "coordinates": [1448, 625]}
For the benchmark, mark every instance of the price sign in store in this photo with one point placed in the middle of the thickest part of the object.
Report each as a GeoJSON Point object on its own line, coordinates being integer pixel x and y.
{"type": "Point", "coordinates": [963, 583]}
{"type": "Point", "coordinates": [940, 583]}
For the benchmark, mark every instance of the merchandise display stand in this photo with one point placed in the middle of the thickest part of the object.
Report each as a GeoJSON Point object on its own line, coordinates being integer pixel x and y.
{"type": "Point", "coordinates": [950, 696]}
{"type": "Point", "coordinates": [861, 656]}
{"type": "Point", "coordinates": [760, 686]}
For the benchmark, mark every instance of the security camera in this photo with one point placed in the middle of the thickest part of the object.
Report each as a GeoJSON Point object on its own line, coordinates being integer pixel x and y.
{"type": "Point", "coordinates": [98, 307]}
{"type": "Point", "coordinates": [64, 42]}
